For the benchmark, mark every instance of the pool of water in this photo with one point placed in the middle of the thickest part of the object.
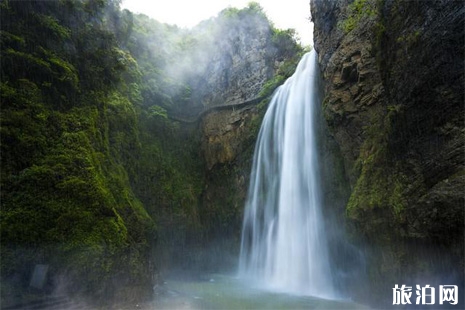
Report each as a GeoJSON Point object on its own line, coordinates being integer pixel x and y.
{"type": "Point", "coordinates": [229, 292]}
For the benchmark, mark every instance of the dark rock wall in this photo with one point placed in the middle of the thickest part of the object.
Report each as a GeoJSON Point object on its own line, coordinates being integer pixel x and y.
{"type": "Point", "coordinates": [228, 140]}
{"type": "Point", "coordinates": [394, 76]}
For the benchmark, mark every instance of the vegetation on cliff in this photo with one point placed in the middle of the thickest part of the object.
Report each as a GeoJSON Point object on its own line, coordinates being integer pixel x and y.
{"type": "Point", "coordinates": [94, 173]}
{"type": "Point", "coordinates": [394, 104]}
{"type": "Point", "coordinates": [69, 134]}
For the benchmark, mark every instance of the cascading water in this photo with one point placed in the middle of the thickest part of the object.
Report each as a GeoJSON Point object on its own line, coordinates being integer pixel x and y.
{"type": "Point", "coordinates": [283, 243]}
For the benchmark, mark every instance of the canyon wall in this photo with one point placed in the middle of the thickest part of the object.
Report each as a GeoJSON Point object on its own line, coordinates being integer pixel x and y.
{"type": "Point", "coordinates": [393, 78]}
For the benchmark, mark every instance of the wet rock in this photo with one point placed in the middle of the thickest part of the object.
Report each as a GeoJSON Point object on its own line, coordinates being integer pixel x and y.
{"type": "Point", "coordinates": [224, 134]}
{"type": "Point", "coordinates": [394, 92]}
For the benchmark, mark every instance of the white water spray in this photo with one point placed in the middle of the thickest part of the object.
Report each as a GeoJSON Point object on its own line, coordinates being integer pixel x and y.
{"type": "Point", "coordinates": [283, 242]}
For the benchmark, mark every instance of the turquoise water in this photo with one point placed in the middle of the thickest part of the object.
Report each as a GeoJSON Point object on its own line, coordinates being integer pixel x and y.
{"type": "Point", "coordinates": [228, 292]}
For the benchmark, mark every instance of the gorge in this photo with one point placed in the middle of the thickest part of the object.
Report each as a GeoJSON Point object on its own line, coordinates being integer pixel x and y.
{"type": "Point", "coordinates": [128, 174]}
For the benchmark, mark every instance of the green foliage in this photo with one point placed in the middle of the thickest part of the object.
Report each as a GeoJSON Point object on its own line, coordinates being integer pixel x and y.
{"type": "Point", "coordinates": [290, 52]}
{"type": "Point", "coordinates": [69, 141]}
{"type": "Point", "coordinates": [11, 39]}
{"type": "Point", "coordinates": [255, 8]}
{"type": "Point", "coordinates": [285, 41]}
{"type": "Point", "coordinates": [52, 26]}
{"type": "Point", "coordinates": [252, 9]}
{"type": "Point", "coordinates": [158, 111]}
{"type": "Point", "coordinates": [356, 11]}
{"type": "Point", "coordinates": [73, 197]}
{"type": "Point", "coordinates": [380, 188]}
{"type": "Point", "coordinates": [230, 12]}
{"type": "Point", "coordinates": [409, 39]}
{"type": "Point", "coordinates": [90, 159]}
{"type": "Point", "coordinates": [285, 70]}
{"type": "Point", "coordinates": [270, 85]}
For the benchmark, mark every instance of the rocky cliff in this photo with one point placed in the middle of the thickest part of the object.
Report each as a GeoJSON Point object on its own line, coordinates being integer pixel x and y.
{"type": "Point", "coordinates": [229, 58]}
{"type": "Point", "coordinates": [228, 69]}
{"type": "Point", "coordinates": [394, 76]}
{"type": "Point", "coordinates": [240, 58]}
{"type": "Point", "coordinates": [102, 180]}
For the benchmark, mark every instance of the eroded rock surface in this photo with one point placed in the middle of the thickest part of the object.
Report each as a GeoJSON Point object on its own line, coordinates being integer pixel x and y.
{"type": "Point", "coordinates": [394, 77]}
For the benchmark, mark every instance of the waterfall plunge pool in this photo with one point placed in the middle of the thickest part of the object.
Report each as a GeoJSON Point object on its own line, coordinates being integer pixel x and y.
{"type": "Point", "coordinates": [218, 291]}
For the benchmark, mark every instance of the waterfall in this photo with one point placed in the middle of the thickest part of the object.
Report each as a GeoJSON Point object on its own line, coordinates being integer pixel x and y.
{"type": "Point", "coordinates": [283, 240]}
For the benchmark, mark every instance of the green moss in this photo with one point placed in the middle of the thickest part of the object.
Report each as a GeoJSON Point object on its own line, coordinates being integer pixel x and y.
{"type": "Point", "coordinates": [51, 24]}
{"type": "Point", "coordinates": [93, 171]}
{"type": "Point", "coordinates": [410, 38]}
{"type": "Point", "coordinates": [66, 71]}
{"type": "Point", "coordinates": [285, 70]}
{"type": "Point", "coordinates": [157, 111]}
{"type": "Point", "coordinates": [271, 85]}
{"type": "Point", "coordinates": [380, 187]}
{"type": "Point", "coordinates": [30, 60]}
{"type": "Point", "coordinates": [9, 38]}
{"type": "Point", "coordinates": [65, 194]}
{"type": "Point", "coordinates": [356, 11]}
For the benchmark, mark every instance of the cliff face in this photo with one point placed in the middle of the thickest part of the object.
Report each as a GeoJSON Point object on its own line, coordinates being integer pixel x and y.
{"type": "Point", "coordinates": [240, 60]}
{"type": "Point", "coordinates": [226, 133]}
{"type": "Point", "coordinates": [100, 181]}
{"type": "Point", "coordinates": [228, 140]}
{"type": "Point", "coordinates": [69, 143]}
{"type": "Point", "coordinates": [228, 59]}
{"type": "Point", "coordinates": [248, 59]}
{"type": "Point", "coordinates": [198, 132]}
{"type": "Point", "coordinates": [393, 74]}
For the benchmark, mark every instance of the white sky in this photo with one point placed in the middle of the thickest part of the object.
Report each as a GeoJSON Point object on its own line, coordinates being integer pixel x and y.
{"type": "Point", "coordinates": [187, 13]}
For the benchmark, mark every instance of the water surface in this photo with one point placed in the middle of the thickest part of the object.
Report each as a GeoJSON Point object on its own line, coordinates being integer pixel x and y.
{"type": "Point", "coordinates": [229, 292]}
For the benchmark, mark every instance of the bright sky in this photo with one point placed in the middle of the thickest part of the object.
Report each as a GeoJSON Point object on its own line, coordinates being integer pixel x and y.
{"type": "Point", "coordinates": [187, 13]}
